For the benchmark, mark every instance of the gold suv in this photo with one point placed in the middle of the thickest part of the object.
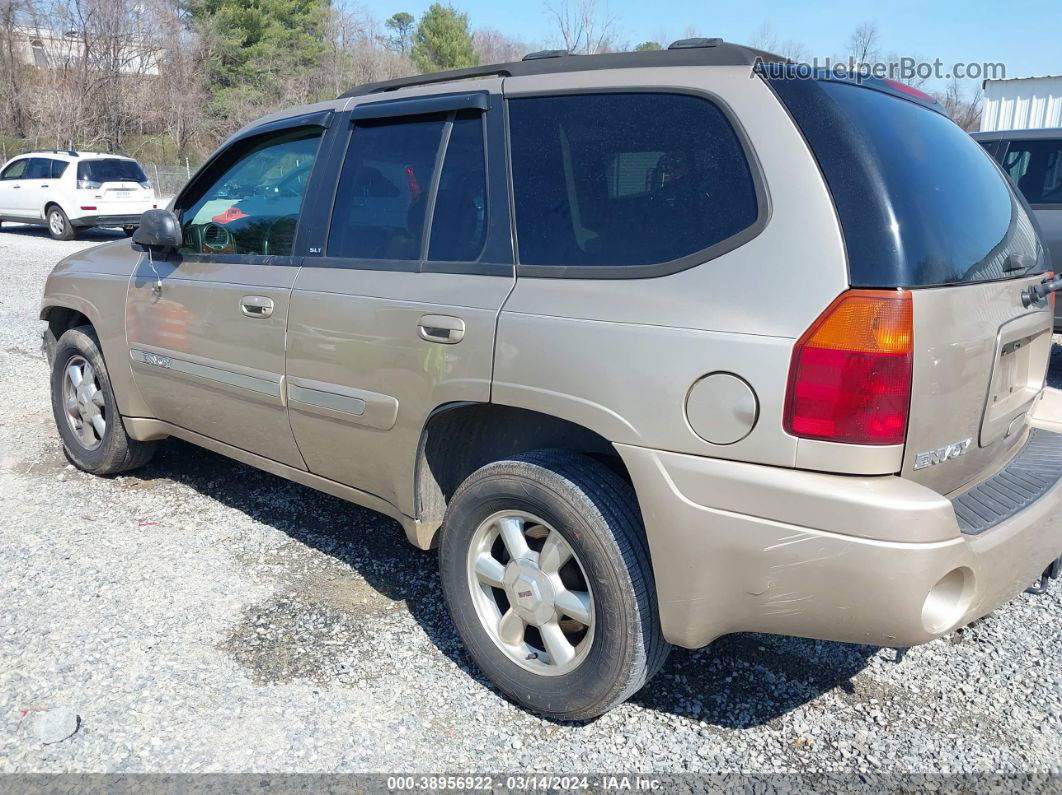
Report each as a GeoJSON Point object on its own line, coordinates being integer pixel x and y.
{"type": "Point", "coordinates": [653, 346]}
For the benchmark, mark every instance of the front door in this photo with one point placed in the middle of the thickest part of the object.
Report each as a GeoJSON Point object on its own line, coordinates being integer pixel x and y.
{"type": "Point", "coordinates": [206, 328]}
{"type": "Point", "coordinates": [12, 186]}
{"type": "Point", "coordinates": [396, 314]}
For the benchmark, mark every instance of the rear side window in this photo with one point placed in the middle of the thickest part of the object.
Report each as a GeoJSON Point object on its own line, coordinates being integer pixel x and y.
{"type": "Point", "coordinates": [110, 170]}
{"type": "Point", "coordinates": [381, 203]}
{"type": "Point", "coordinates": [638, 179]}
{"type": "Point", "coordinates": [920, 202]}
{"type": "Point", "coordinates": [39, 168]}
{"type": "Point", "coordinates": [459, 220]}
{"type": "Point", "coordinates": [1036, 168]}
{"type": "Point", "coordinates": [58, 168]}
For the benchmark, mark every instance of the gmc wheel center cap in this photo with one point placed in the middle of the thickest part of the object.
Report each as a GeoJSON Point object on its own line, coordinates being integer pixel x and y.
{"type": "Point", "coordinates": [529, 591]}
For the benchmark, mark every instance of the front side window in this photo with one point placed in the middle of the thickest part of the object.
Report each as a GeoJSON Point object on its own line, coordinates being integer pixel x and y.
{"type": "Point", "coordinates": [625, 179]}
{"type": "Point", "coordinates": [16, 170]}
{"type": "Point", "coordinates": [1036, 168]}
{"type": "Point", "coordinates": [381, 203]}
{"type": "Point", "coordinates": [252, 207]}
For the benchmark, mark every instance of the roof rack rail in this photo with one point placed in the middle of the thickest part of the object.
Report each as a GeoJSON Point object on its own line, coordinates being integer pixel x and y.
{"type": "Point", "coordinates": [495, 70]}
{"type": "Point", "coordinates": [685, 52]}
{"type": "Point", "coordinates": [71, 152]}
{"type": "Point", "coordinates": [687, 44]}
{"type": "Point", "coordinates": [535, 56]}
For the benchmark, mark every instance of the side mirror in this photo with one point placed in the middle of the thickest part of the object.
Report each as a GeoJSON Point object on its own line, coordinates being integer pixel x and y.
{"type": "Point", "coordinates": [158, 230]}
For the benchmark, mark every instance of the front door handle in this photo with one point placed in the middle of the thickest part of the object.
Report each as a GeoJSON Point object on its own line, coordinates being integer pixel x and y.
{"type": "Point", "coordinates": [446, 329]}
{"type": "Point", "coordinates": [256, 306]}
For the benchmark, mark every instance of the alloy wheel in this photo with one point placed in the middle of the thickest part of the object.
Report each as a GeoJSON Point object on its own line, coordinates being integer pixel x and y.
{"type": "Point", "coordinates": [84, 403]}
{"type": "Point", "coordinates": [531, 593]}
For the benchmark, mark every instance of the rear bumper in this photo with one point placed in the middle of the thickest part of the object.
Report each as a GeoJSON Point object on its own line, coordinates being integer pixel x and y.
{"type": "Point", "coordinates": [879, 560]}
{"type": "Point", "coordinates": [127, 219]}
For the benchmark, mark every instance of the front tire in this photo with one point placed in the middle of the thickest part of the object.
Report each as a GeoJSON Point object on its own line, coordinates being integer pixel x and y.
{"type": "Point", "coordinates": [86, 415]}
{"type": "Point", "coordinates": [546, 572]}
{"type": "Point", "coordinates": [59, 226]}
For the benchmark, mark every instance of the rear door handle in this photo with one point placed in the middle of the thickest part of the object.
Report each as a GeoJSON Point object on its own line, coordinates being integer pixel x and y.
{"type": "Point", "coordinates": [446, 329]}
{"type": "Point", "coordinates": [256, 306]}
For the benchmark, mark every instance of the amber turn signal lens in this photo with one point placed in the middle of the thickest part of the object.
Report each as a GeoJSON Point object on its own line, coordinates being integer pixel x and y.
{"type": "Point", "coordinates": [850, 376]}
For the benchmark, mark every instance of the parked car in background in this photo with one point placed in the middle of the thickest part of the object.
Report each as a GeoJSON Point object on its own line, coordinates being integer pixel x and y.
{"type": "Point", "coordinates": [67, 191]}
{"type": "Point", "coordinates": [653, 346]}
{"type": "Point", "coordinates": [1033, 159]}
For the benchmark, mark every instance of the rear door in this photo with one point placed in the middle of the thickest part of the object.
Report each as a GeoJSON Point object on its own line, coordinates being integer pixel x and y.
{"type": "Point", "coordinates": [394, 311]}
{"type": "Point", "coordinates": [206, 328]}
{"type": "Point", "coordinates": [36, 188]}
{"type": "Point", "coordinates": [924, 208]}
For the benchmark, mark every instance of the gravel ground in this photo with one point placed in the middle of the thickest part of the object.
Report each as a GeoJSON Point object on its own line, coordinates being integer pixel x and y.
{"type": "Point", "coordinates": [199, 615]}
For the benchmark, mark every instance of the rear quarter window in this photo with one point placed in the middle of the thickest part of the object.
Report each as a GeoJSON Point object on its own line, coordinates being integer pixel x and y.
{"type": "Point", "coordinates": [920, 202]}
{"type": "Point", "coordinates": [613, 183]}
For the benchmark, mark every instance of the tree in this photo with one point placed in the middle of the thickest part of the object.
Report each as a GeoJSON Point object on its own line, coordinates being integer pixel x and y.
{"type": "Point", "coordinates": [766, 39]}
{"type": "Point", "coordinates": [401, 27]}
{"type": "Point", "coordinates": [584, 27]}
{"type": "Point", "coordinates": [648, 45]}
{"type": "Point", "coordinates": [863, 44]}
{"type": "Point", "coordinates": [443, 40]}
{"type": "Point", "coordinates": [493, 46]}
{"type": "Point", "coordinates": [260, 54]}
{"type": "Point", "coordinates": [964, 112]}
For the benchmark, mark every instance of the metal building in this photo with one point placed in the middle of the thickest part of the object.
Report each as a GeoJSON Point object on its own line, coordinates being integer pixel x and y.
{"type": "Point", "coordinates": [1022, 103]}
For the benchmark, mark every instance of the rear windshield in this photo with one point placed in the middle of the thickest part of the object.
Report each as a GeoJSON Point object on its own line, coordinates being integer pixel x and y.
{"type": "Point", "coordinates": [920, 202]}
{"type": "Point", "coordinates": [110, 170]}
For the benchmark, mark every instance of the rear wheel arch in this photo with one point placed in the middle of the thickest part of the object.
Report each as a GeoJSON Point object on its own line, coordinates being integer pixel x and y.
{"type": "Point", "coordinates": [459, 438]}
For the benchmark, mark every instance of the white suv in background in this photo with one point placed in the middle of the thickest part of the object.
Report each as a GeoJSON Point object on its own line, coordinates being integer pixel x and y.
{"type": "Point", "coordinates": [65, 191]}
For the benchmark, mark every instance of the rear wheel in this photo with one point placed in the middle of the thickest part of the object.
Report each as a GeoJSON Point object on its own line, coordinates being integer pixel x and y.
{"type": "Point", "coordinates": [546, 574]}
{"type": "Point", "coordinates": [86, 416]}
{"type": "Point", "coordinates": [128, 230]}
{"type": "Point", "coordinates": [58, 224]}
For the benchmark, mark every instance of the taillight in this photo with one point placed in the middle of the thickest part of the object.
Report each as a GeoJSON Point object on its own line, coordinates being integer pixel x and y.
{"type": "Point", "coordinates": [850, 376]}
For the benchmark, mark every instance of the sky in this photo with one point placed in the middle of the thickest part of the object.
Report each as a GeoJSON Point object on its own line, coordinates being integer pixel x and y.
{"type": "Point", "coordinates": [1025, 35]}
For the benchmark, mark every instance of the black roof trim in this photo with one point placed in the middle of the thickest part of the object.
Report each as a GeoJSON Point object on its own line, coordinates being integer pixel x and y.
{"type": "Point", "coordinates": [722, 54]}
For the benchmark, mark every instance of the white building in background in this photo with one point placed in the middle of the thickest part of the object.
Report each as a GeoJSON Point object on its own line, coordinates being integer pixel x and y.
{"type": "Point", "coordinates": [48, 49]}
{"type": "Point", "coordinates": [1022, 103]}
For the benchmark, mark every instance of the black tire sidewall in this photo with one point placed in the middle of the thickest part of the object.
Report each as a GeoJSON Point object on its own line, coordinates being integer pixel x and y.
{"type": "Point", "coordinates": [605, 672]}
{"type": "Point", "coordinates": [83, 342]}
{"type": "Point", "coordinates": [68, 230]}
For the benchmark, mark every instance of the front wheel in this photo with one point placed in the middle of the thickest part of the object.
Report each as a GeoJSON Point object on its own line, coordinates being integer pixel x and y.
{"type": "Point", "coordinates": [58, 224]}
{"type": "Point", "coordinates": [546, 573]}
{"type": "Point", "coordinates": [86, 415]}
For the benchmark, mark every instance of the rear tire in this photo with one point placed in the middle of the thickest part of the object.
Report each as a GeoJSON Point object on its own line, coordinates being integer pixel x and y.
{"type": "Point", "coordinates": [602, 601]}
{"type": "Point", "coordinates": [85, 411]}
{"type": "Point", "coordinates": [59, 226]}
{"type": "Point", "coordinates": [129, 231]}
